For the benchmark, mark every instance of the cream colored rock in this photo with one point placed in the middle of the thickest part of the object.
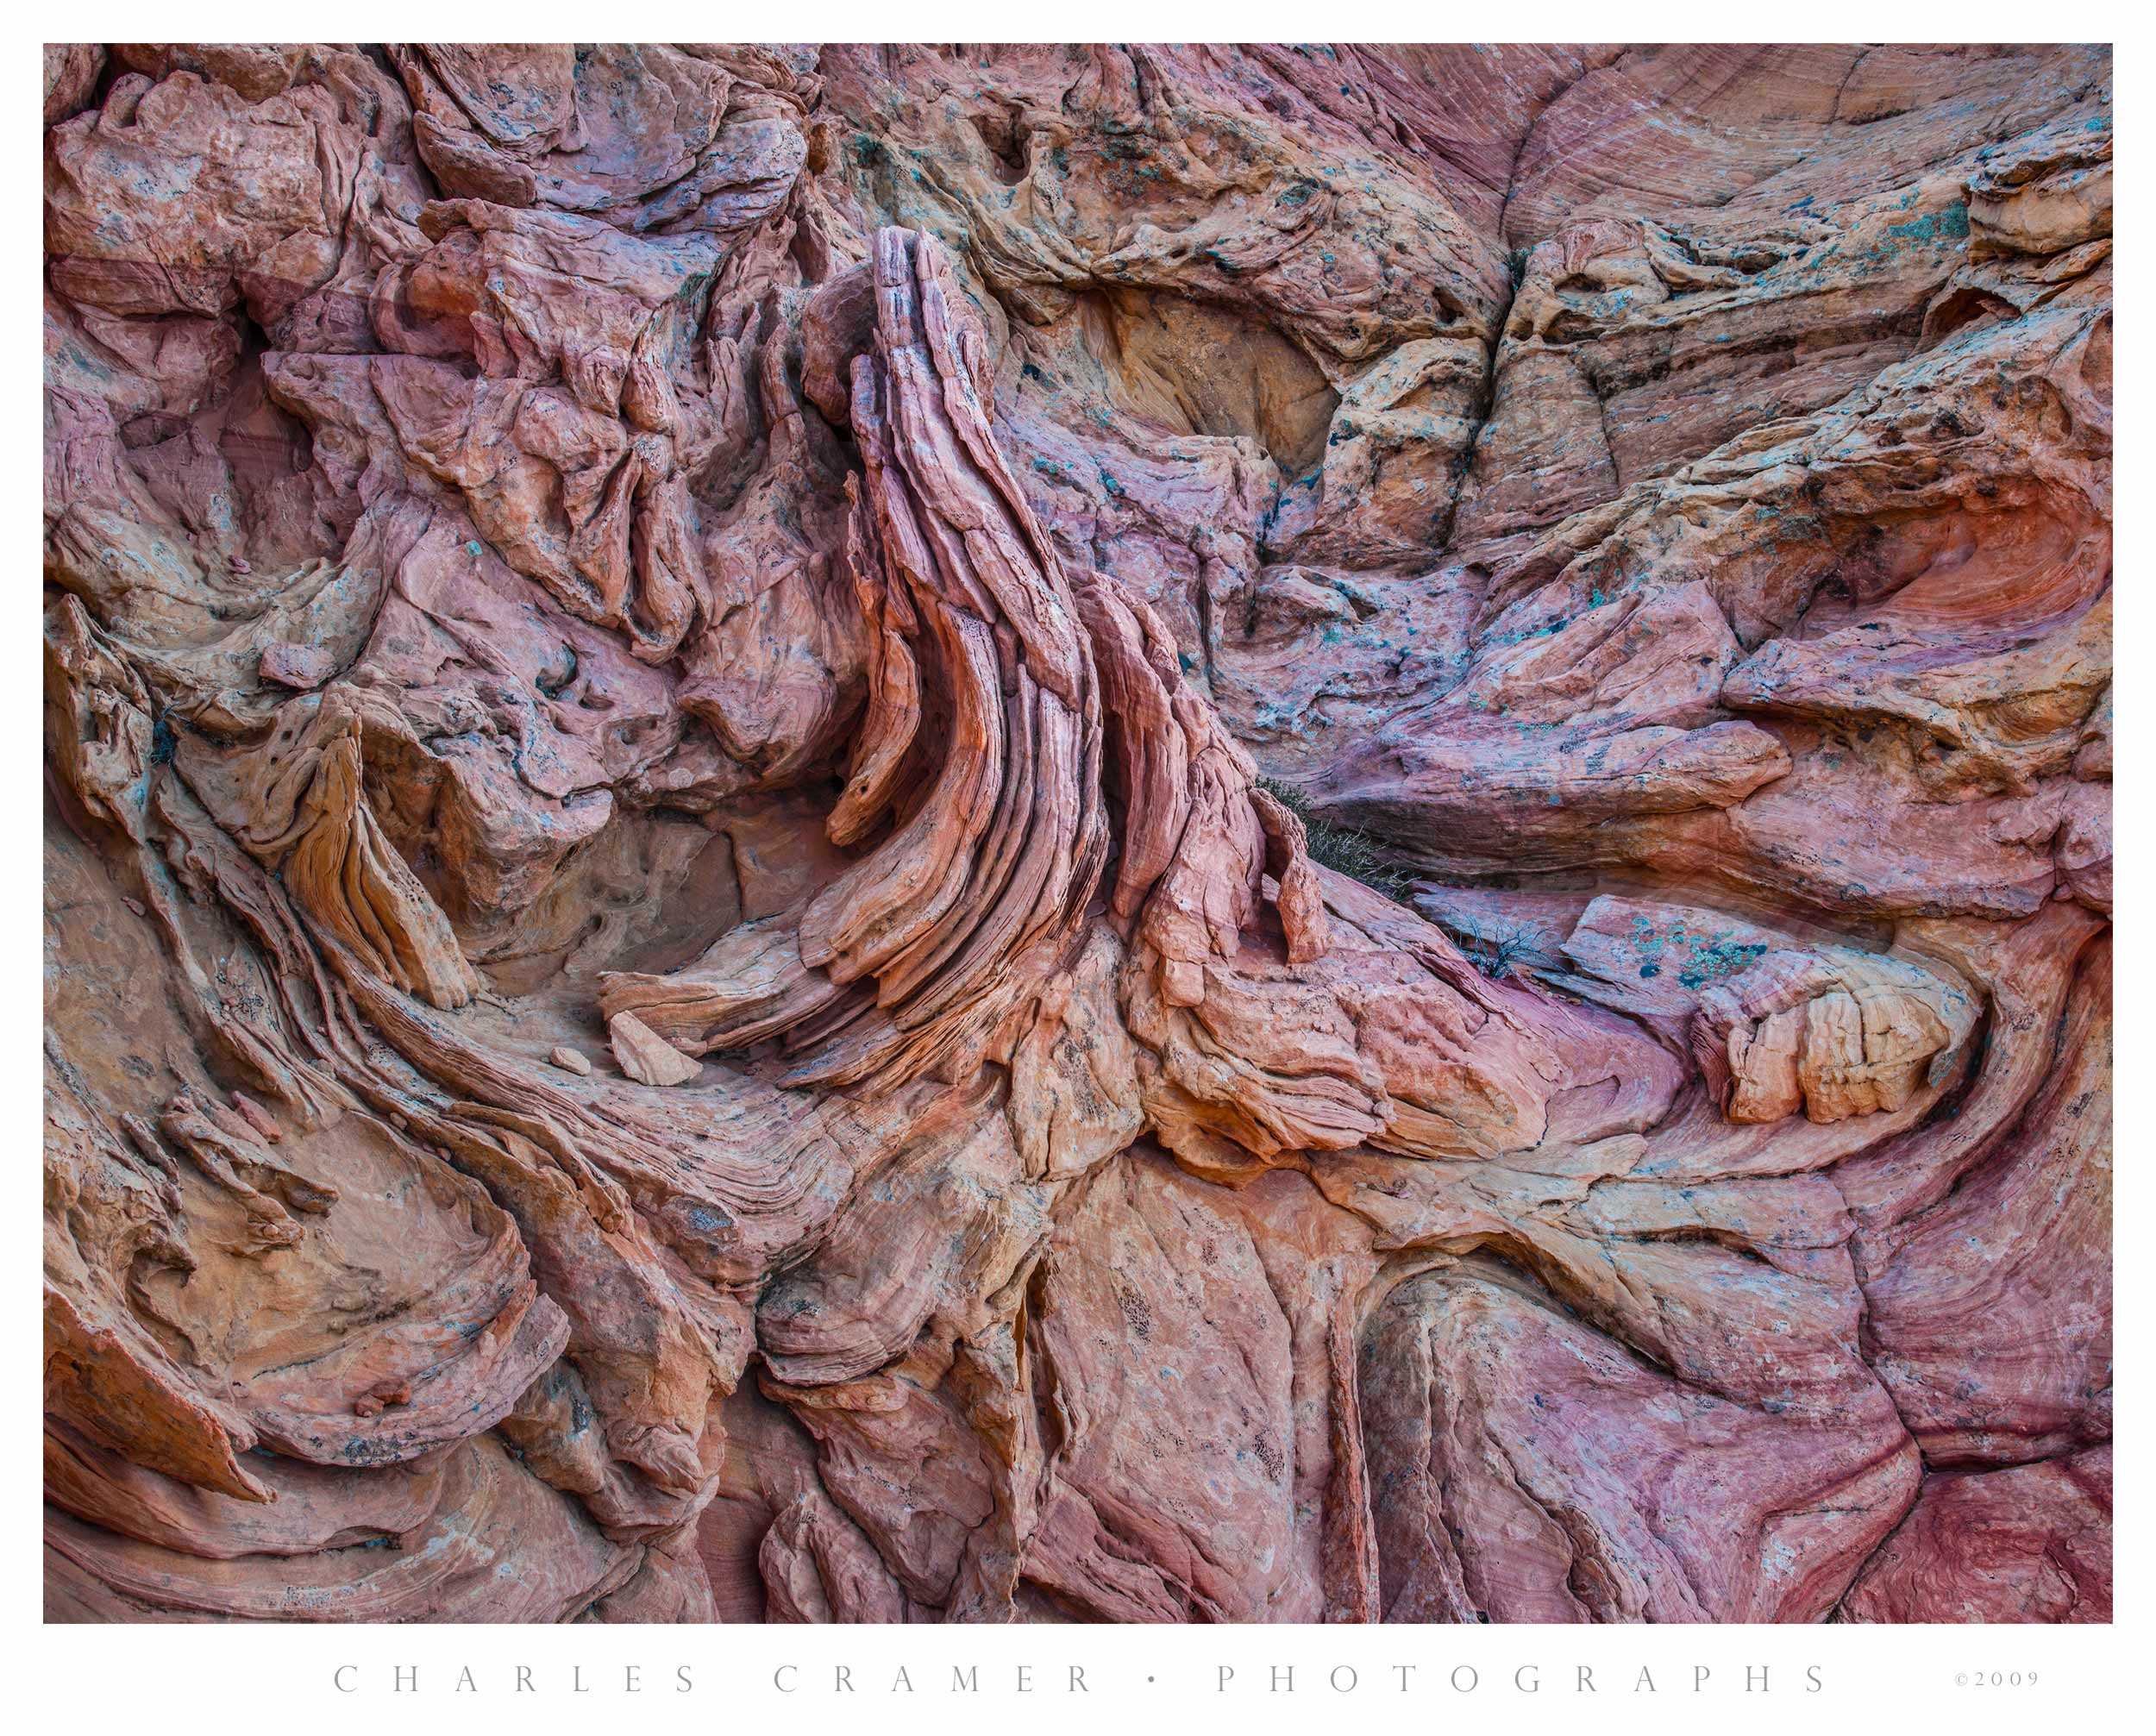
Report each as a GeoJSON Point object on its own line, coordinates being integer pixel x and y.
{"type": "Point", "coordinates": [645, 1056]}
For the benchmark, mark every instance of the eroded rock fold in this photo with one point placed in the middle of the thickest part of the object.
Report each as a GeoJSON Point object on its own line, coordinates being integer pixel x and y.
{"type": "Point", "coordinates": [1242, 834]}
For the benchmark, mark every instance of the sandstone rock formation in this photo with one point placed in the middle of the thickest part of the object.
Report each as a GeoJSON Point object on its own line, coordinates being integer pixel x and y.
{"type": "Point", "coordinates": [882, 834]}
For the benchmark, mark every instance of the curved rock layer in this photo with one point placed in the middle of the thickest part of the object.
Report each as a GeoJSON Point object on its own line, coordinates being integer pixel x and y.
{"type": "Point", "coordinates": [886, 834]}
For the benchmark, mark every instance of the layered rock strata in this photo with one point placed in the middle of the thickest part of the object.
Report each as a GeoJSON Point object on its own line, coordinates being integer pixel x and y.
{"type": "Point", "coordinates": [1241, 834]}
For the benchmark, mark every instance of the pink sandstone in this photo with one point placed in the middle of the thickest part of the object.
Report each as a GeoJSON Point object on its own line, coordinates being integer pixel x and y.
{"type": "Point", "coordinates": [1343, 815]}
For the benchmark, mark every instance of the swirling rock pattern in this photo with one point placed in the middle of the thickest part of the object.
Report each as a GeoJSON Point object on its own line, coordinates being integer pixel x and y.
{"type": "Point", "coordinates": [874, 834]}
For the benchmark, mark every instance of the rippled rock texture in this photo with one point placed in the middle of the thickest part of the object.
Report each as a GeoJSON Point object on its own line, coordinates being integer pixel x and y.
{"type": "Point", "coordinates": [1231, 834]}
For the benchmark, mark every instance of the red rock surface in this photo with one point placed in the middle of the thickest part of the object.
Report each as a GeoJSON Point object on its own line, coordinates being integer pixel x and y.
{"type": "Point", "coordinates": [1135, 834]}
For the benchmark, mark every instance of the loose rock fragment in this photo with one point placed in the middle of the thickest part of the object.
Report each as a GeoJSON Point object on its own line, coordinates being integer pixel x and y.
{"type": "Point", "coordinates": [647, 1058]}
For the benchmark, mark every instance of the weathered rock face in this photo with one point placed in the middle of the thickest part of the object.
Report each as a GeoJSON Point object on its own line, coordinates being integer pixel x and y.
{"type": "Point", "coordinates": [1234, 834]}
